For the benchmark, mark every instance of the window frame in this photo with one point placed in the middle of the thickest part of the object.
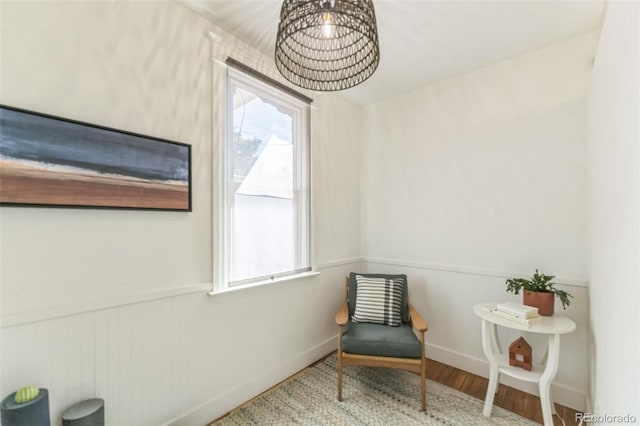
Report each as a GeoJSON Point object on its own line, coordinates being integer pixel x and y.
{"type": "Point", "coordinates": [239, 75]}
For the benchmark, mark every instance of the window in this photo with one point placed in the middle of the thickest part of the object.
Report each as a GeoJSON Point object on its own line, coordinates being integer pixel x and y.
{"type": "Point", "coordinates": [265, 210]}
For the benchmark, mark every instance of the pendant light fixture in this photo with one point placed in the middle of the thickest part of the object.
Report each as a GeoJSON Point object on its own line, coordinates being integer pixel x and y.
{"type": "Point", "coordinates": [327, 45]}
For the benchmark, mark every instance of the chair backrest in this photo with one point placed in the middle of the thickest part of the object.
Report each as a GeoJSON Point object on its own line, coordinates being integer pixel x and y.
{"type": "Point", "coordinates": [353, 290]}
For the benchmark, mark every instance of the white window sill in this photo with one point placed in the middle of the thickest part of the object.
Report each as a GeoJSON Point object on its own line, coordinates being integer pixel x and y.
{"type": "Point", "coordinates": [264, 283]}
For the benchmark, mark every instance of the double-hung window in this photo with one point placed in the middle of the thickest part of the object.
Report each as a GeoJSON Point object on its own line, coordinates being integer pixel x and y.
{"type": "Point", "coordinates": [265, 223]}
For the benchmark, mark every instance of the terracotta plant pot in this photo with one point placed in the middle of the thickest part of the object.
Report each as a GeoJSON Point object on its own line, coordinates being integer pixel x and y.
{"type": "Point", "coordinates": [543, 301]}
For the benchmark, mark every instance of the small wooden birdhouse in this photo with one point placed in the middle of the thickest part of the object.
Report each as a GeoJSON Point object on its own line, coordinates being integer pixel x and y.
{"type": "Point", "coordinates": [520, 354]}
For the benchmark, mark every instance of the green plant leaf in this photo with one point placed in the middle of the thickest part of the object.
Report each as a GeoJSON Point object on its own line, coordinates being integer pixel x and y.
{"type": "Point", "coordinates": [538, 282]}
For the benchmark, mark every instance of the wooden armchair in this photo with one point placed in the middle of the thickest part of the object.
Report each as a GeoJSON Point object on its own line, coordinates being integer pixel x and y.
{"type": "Point", "coordinates": [378, 345]}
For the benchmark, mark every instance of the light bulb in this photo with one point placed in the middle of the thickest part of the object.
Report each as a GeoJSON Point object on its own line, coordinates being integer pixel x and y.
{"type": "Point", "coordinates": [327, 26]}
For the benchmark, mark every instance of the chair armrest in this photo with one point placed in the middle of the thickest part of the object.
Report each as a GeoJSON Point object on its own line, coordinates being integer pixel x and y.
{"type": "Point", "coordinates": [416, 319]}
{"type": "Point", "coordinates": [342, 316]}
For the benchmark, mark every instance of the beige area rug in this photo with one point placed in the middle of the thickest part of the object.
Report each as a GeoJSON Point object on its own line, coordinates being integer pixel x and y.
{"type": "Point", "coordinates": [372, 396]}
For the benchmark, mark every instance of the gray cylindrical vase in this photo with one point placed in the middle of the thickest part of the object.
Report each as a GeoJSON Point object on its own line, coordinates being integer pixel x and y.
{"type": "Point", "coordinates": [85, 413]}
{"type": "Point", "coordinates": [32, 413]}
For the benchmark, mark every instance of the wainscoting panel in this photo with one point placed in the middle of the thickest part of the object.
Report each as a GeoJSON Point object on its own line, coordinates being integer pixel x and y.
{"type": "Point", "coordinates": [182, 360]}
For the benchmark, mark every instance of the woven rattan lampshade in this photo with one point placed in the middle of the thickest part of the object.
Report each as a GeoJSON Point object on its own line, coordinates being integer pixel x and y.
{"type": "Point", "coordinates": [327, 45]}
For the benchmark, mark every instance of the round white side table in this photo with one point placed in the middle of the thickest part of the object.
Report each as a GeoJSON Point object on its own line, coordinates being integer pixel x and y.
{"type": "Point", "coordinates": [553, 326]}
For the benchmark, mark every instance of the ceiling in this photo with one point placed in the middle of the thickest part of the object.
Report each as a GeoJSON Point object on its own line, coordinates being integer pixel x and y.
{"type": "Point", "coordinates": [421, 41]}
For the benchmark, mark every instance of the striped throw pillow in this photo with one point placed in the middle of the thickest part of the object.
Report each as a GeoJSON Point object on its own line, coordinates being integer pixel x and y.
{"type": "Point", "coordinates": [378, 300]}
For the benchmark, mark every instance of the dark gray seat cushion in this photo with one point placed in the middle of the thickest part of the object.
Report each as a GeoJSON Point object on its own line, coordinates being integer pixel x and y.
{"type": "Point", "coordinates": [380, 340]}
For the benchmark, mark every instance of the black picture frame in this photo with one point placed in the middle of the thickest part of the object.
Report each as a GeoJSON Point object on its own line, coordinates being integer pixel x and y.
{"type": "Point", "coordinates": [48, 161]}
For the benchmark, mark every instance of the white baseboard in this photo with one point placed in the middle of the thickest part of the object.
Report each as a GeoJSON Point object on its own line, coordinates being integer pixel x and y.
{"type": "Point", "coordinates": [562, 394]}
{"type": "Point", "coordinates": [589, 405]}
{"type": "Point", "coordinates": [219, 405]}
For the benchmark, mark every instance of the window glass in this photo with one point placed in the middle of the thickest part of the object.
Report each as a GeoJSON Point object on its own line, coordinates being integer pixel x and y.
{"type": "Point", "coordinates": [267, 202]}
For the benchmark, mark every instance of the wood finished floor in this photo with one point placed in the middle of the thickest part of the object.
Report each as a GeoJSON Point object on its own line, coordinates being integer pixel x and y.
{"type": "Point", "coordinates": [516, 401]}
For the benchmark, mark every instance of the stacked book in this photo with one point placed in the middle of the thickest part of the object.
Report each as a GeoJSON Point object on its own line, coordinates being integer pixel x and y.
{"type": "Point", "coordinates": [522, 314]}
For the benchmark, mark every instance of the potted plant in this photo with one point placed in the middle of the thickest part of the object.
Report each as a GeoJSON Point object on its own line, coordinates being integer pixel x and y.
{"type": "Point", "coordinates": [539, 292]}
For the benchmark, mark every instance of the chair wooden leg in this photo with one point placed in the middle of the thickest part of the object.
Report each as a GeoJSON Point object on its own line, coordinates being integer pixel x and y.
{"type": "Point", "coordinates": [423, 376]}
{"type": "Point", "coordinates": [339, 377]}
{"type": "Point", "coordinates": [423, 387]}
{"type": "Point", "coordinates": [340, 363]}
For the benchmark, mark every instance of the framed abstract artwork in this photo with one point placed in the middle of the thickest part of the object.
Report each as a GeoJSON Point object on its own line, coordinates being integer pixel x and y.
{"type": "Point", "coordinates": [56, 162]}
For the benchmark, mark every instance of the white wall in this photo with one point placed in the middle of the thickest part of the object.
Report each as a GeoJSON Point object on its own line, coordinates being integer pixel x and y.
{"type": "Point", "coordinates": [479, 178]}
{"type": "Point", "coordinates": [614, 214]}
{"type": "Point", "coordinates": [113, 304]}
{"type": "Point", "coordinates": [464, 183]}
{"type": "Point", "coordinates": [129, 67]}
